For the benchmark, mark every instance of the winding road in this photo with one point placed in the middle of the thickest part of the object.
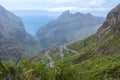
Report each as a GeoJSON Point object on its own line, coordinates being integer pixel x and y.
{"type": "Point", "coordinates": [74, 51]}
{"type": "Point", "coordinates": [50, 59]}
{"type": "Point", "coordinates": [61, 54]}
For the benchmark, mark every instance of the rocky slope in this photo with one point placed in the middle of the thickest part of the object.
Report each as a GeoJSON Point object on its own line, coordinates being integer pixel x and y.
{"type": "Point", "coordinates": [12, 29]}
{"type": "Point", "coordinates": [108, 34]}
{"type": "Point", "coordinates": [68, 28]}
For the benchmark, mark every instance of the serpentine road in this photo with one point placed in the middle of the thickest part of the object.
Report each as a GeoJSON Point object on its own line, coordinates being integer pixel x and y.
{"type": "Point", "coordinates": [61, 54]}
{"type": "Point", "coordinates": [50, 59]}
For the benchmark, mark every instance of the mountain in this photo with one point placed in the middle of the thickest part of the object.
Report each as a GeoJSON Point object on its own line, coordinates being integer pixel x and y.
{"type": "Point", "coordinates": [9, 51]}
{"type": "Point", "coordinates": [97, 57]}
{"type": "Point", "coordinates": [68, 28]}
{"type": "Point", "coordinates": [99, 54]}
{"type": "Point", "coordinates": [110, 32]}
{"type": "Point", "coordinates": [12, 29]}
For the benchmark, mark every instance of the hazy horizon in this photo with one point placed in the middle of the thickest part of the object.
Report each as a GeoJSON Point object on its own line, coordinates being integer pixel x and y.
{"type": "Point", "coordinates": [47, 10]}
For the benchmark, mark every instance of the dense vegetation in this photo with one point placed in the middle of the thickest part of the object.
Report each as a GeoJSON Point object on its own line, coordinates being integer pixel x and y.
{"type": "Point", "coordinates": [27, 70]}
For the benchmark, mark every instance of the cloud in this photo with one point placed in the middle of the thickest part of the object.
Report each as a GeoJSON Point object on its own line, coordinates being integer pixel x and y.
{"type": "Point", "coordinates": [76, 9]}
{"type": "Point", "coordinates": [61, 9]}
{"type": "Point", "coordinates": [96, 2]}
{"type": "Point", "coordinates": [60, 5]}
{"type": "Point", "coordinates": [91, 2]}
{"type": "Point", "coordinates": [45, 1]}
{"type": "Point", "coordinates": [65, 1]}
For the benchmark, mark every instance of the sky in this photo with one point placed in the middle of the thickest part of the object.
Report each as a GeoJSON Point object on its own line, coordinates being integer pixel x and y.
{"type": "Point", "coordinates": [60, 5]}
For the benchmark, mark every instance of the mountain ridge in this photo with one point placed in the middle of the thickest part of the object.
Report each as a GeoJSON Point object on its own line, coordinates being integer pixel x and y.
{"type": "Point", "coordinates": [67, 28]}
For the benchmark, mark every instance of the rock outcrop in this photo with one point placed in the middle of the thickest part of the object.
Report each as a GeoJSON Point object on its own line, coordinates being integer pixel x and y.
{"type": "Point", "coordinates": [108, 35]}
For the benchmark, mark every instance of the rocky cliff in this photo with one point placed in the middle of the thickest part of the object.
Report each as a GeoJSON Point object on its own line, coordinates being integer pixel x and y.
{"type": "Point", "coordinates": [12, 29]}
{"type": "Point", "coordinates": [108, 35]}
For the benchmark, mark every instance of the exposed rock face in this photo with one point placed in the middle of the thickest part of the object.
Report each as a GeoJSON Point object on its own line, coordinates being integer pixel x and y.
{"type": "Point", "coordinates": [8, 51]}
{"type": "Point", "coordinates": [12, 29]}
{"type": "Point", "coordinates": [108, 35]}
{"type": "Point", "coordinates": [11, 26]}
{"type": "Point", "coordinates": [113, 18]}
{"type": "Point", "coordinates": [68, 28]}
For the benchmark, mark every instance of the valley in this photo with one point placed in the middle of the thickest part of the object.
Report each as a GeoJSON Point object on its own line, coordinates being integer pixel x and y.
{"type": "Point", "coordinates": [73, 47]}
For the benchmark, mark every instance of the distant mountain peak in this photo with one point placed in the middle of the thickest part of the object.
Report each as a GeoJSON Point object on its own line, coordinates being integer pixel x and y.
{"type": "Point", "coordinates": [67, 28]}
{"type": "Point", "coordinates": [66, 12]}
{"type": "Point", "coordinates": [89, 14]}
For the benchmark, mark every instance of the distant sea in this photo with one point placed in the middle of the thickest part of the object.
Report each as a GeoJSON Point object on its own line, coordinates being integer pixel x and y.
{"type": "Point", "coordinates": [33, 22]}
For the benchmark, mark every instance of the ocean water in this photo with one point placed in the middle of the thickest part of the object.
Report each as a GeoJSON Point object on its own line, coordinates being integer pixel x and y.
{"type": "Point", "coordinates": [33, 22]}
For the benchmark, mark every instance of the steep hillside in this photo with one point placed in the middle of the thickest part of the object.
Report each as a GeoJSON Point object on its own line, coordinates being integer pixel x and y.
{"type": "Point", "coordinates": [12, 28]}
{"type": "Point", "coordinates": [108, 36]}
{"type": "Point", "coordinates": [68, 28]}
{"type": "Point", "coordinates": [9, 51]}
